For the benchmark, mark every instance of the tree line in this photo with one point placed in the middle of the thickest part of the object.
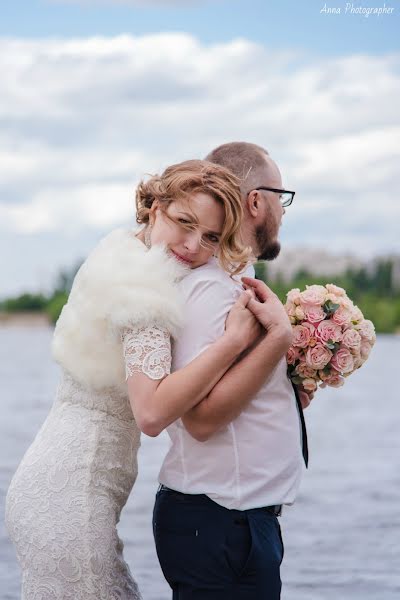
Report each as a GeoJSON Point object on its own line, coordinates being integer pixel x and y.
{"type": "Point", "coordinates": [374, 290]}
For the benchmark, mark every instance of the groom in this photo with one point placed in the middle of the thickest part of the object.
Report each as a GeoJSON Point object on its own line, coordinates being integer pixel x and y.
{"type": "Point", "coordinates": [235, 458]}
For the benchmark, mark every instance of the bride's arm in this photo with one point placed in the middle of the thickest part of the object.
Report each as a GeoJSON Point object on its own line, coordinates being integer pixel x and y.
{"type": "Point", "coordinates": [239, 385]}
{"type": "Point", "coordinates": [157, 398]}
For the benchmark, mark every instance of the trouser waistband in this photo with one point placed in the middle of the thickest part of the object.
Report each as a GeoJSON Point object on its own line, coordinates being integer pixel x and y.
{"type": "Point", "coordinates": [275, 509]}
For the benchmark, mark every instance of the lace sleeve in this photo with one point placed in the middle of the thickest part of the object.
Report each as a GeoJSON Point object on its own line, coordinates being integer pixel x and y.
{"type": "Point", "coordinates": [147, 350]}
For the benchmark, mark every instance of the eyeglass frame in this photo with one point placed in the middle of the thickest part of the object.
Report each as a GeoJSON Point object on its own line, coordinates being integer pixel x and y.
{"type": "Point", "coordinates": [269, 189]}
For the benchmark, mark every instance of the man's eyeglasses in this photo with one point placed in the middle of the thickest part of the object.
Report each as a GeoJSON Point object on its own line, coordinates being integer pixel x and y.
{"type": "Point", "coordinates": [285, 196]}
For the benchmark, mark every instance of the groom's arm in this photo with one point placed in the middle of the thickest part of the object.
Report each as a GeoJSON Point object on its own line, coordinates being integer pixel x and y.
{"type": "Point", "coordinates": [209, 307]}
{"type": "Point", "coordinates": [236, 388]}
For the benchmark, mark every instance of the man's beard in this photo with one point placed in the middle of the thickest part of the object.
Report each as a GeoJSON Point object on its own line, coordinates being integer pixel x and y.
{"type": "Point", "coordinates": [268, 248]}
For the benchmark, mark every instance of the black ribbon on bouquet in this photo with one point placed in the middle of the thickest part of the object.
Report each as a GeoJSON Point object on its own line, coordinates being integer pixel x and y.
{"type": "Point", "coordinates": [304, 442]}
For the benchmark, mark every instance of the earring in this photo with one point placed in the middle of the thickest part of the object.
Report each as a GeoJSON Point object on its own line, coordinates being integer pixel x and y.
{"type": "Point", "coordinates": [147, 236]}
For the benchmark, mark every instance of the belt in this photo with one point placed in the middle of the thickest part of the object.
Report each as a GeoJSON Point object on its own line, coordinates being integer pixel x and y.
{"type": "Point", "coordinates": [275, 509]}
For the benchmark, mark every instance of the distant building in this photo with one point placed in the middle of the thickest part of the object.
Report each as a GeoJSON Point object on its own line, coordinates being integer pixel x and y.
{"type": "Point", "coordinates": [317, 262]}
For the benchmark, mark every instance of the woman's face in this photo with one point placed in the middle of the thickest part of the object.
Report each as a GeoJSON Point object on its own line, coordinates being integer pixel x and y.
{"type": "Point", "coordinates": [190, 230]}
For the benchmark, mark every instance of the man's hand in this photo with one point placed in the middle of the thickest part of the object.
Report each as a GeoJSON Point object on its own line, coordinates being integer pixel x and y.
{"type": "Point", "coordinates": [267, 307]}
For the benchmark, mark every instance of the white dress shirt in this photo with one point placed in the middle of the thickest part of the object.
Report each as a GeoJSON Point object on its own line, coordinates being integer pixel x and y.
{"type": "Point", "coordinates": [256, 460]}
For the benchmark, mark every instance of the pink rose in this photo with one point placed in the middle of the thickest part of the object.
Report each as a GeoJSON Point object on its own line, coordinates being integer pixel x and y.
{"type": "Point", "coordinates": [343, 361]}
{"type": "Point", "coordinates": [351, 339]}
{"type": "Point", "coordinates": [356, 315]}
{"type": "Point", "coordinates": [310, 385]}
{"type": "Point", "coordinates": [328, 330]}
{"type": "Point", "coordinates": [365, 349]}
{"type": "Point", "coordinates": [333, 298]}
{"type": "Point", "coordinates": [290, 309]}
{"type": "Point", "coordinates": [367, 330]}
{"type": "Point", "coordinates": [299, 313]}
{"type": "Point", "coordinates": [293, 296]}
{"type": "Point", "coordinates": [334, 289]}
{"type": "Point", "coordinates": [342, 316]}
{"type": "Point", "coordinates": [292, 355]}
{"type": "Point", "coordinates": [311, 329]}
{"type": "Point", "coordinates": [303, 370]}
{"type": "Point", "coordinates": [301, 336]}
{"type": "Point", "coordinates": [358, 362]}
{"type": "Point", "coordinates": [314, 314]}
{"type": "Point", "coordinates": [322, 375]}
{"type": "Point", "coordinates": [314, 295]}
{"type": "Point", "coordinates": [345, 302]}
{"type": "Point", "coordinates": [318, 356]}
{"type": "Point", "coordinates": [334, 380]}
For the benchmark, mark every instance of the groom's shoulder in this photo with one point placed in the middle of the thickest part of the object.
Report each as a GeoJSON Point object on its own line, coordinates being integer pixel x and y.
{"type": "Point", "coordinates": [211, 275]}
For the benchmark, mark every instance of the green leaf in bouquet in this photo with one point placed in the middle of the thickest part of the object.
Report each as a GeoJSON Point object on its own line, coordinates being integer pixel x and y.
{"type": "Point", "coordinates": [326, 370]}
{"type": "Point", "coordinates": [330, 307]}
{"type": "Point", "coordinates": [297, 380]}
{"type": "Point", "coordinates": [333, 346]}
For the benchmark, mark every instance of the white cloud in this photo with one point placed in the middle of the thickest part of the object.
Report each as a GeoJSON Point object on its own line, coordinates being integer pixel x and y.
{"type": "Point", "coordinates": [81, 120]}
{"type": "Point", "coordinates": [70, 209]}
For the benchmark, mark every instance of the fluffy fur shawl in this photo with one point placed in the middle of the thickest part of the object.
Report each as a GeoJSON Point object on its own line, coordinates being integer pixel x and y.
{"type": "Point", "coordinates": [121, 284]}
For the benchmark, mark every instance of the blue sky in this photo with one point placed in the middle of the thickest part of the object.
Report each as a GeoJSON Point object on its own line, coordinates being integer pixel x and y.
{"type": "Point", "coordinates": [94, 95]}
{"type": "Point", "coordinates": [277, 24]}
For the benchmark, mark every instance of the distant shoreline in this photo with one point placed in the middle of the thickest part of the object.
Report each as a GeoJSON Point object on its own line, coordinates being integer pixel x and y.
{"type": "Point", "coordinates": [41, 319]}
{"type": "Point", "coordinates": [24, 319]}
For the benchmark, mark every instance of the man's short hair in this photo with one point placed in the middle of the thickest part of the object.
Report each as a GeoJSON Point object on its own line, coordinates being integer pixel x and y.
{"type": "Point", "coordinates": [245, 160]}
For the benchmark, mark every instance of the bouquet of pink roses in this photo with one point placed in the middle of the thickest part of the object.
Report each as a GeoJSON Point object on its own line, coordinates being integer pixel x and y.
{"type": "Point", "coordinates": [331, 338]}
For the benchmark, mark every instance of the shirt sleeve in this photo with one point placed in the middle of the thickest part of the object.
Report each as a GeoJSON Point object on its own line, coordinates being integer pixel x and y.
{"type": "Point", "coordinates": [208, 301]}
{"type": "Point", "coordinates": [147, 350]}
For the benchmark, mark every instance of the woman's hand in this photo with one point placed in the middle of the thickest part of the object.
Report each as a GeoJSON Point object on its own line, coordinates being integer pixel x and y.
{"type": "Point", "coordinates": [241, 323]}
{"type": "Point", "coordinates": [267, 307]}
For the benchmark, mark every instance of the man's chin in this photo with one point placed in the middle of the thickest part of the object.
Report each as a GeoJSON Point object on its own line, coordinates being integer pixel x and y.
{"type": "Point", "coordinates": [270, 252]}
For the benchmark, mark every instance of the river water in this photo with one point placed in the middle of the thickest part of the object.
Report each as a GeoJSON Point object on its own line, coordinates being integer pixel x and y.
{"type": "Point", "coordinates": [342, 536]}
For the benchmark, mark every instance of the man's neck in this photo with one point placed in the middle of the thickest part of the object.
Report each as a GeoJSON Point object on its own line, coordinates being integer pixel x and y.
{"type": "Point", "coordinates": [249, 238]}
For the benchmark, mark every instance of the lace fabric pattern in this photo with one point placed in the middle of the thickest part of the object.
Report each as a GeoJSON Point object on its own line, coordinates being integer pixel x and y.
{"type": "Point", "coordinates": [147, 350]}
{"type": "Point", "coordinates": [65, 500]}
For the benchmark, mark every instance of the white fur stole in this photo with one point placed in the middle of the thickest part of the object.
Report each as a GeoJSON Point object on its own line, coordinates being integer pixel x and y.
{"type": "Point", "coordinates": [121, 284]}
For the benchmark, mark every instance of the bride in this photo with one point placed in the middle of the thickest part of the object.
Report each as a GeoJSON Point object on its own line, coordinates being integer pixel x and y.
{"type": "Point", "coordinates": [65, 499]}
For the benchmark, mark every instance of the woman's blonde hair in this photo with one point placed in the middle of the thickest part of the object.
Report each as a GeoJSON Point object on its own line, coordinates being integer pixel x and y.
{"type": "Point", "coordinates": [182, 180]}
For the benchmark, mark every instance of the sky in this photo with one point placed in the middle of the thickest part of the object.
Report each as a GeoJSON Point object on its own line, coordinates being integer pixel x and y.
{"type": "Point", "coordinates": [96, 94]}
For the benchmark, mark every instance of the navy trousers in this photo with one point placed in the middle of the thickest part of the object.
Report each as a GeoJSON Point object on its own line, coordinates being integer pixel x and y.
{"type": "Point", "coordinates": [208, 552]}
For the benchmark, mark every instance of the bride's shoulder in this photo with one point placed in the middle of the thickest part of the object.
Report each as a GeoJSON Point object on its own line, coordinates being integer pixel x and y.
{"type": "Point", "coordinates": [117, 241]}
{"type": "Point", "coordinates": [120, 254]}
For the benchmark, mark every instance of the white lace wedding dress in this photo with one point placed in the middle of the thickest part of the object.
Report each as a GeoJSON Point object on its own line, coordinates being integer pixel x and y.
{"type": "Point", "coordinates": [66, 497]}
